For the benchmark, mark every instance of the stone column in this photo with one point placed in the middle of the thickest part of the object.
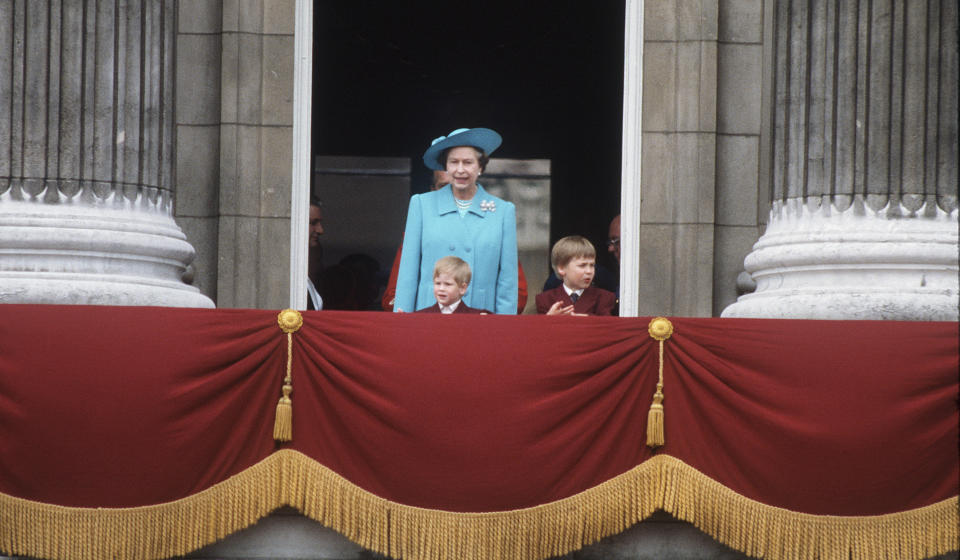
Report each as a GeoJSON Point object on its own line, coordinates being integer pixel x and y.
{"type": "Point", "coordinates": [863, 223]}
{"type": "Point", "coordinates": [86, 155]}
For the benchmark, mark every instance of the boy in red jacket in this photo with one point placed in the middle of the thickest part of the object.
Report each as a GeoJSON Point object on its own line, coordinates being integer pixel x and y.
{"type": "Point", "coordinates": [574, 260]}
{"type": "Point", "coordinates": [451, 277]}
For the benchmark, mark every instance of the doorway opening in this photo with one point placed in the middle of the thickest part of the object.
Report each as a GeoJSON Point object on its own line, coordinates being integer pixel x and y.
{"type": "Point", "coordinates": [389, 77]}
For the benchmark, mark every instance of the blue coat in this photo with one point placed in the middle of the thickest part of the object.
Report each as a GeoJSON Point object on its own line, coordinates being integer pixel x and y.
{"type": "Point", "coordinates": [485, 238]}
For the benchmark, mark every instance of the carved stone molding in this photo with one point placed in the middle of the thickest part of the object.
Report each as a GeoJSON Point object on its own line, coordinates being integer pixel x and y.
{"type": "Point", "coordinates": [117, 251]}
{"type": "Point", "coordinates": [817, 261]}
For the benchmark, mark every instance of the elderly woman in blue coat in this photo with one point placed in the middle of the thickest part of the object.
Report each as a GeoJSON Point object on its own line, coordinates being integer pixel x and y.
{"type": "Point", "coordinates": [463, 220]}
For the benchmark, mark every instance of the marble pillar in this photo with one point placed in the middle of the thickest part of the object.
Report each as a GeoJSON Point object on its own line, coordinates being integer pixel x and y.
{"type": "Point", "coordinates": [86, 155]}
{"type": "Point", "coordinates": [863, 223]}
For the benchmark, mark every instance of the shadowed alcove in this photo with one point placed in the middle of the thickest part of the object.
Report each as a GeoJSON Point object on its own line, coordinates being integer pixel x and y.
{"type": "Point", "coordinates": [389, 77]}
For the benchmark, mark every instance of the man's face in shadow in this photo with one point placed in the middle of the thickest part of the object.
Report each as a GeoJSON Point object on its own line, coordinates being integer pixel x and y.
{"type": "Point", "coordinates": [613, 239]}
{"type": "Point", "coordinates": [440, 179]}
{"type": "Point", "coordinates": [316, 225]}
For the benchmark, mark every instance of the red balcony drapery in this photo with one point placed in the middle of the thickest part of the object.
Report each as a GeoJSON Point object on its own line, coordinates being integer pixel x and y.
{"type": "Point", "coordinates": [461, 426]}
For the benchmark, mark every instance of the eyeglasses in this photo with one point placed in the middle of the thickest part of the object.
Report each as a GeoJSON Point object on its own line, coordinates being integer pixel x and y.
{"type": "Point", "coordinates": [613, 242]}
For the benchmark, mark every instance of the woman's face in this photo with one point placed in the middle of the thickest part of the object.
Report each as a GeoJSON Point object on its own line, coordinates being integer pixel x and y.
{"type": "Point", "coordinates": [463, 167]}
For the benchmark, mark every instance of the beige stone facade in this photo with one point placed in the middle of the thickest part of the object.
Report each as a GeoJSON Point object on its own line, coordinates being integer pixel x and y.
{"type": "Point", "coordinates": [703, 182]}
{"type": "Point", "coordinates": [234, 137]}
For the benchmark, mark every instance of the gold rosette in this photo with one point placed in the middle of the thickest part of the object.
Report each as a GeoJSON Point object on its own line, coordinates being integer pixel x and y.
{"type": "Point", "coordinates": [290, 320]}
{"type": "Point", "coordinates": [660, 328]}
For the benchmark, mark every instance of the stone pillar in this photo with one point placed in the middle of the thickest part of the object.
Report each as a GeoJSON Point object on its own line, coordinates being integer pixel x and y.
{"type": "Point", "coordinates": [863, 223]}
{"type": "Point", "coordinates": [86, 176]}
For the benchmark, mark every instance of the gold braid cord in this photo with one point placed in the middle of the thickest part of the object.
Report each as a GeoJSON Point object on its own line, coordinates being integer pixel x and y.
{"type": "Point", "coordinates": [290, 322]}
{"type": "Point", "coordinates": [289, 478]}
{"type": "Point", "coordinates": [660, 329]}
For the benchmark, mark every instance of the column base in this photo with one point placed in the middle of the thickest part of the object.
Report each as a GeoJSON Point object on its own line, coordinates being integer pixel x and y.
{"type": "Point", "coordinates": [112, 251]}
{"type": "Point", "coordinates": [77, 289]}
{"type": "Point", "coordinates": [819, 262]}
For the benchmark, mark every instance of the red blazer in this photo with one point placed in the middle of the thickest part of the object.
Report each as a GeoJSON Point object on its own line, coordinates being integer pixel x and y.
{"type": "Point", "coordinates": [593, 301]}
{"type": "Point", "coordinates": [462, 308]}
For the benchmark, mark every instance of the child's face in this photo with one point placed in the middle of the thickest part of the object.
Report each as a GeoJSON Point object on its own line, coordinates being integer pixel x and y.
{"type": "Point", "coordinates": [578, 273]}
{"type": "Point", "coordinates": [446, 290]}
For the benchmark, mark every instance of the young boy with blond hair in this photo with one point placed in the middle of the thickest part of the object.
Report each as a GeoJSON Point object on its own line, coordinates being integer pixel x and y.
{"type": "Point", "coordinates": [574, 260]}
{"type": "Point", "coordinates": [451, 277]}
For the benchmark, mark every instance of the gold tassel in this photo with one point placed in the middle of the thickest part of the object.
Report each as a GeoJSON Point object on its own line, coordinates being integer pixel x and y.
{"type": "Point", "coordinates": [283, 424]}
{"type": "Point", "coordinates": [660, 329]}
{"type": "Point", "coordinates": [290, 322]}
{"type": "Point", "coordinates": [655, 419]}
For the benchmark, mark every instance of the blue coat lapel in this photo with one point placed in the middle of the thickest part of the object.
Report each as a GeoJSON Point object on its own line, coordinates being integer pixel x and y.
{"type": "Point", "coordinates": [445, 202]}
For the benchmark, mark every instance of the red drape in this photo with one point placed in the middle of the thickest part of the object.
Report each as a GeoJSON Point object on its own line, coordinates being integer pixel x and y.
{"type": "Point", "coordinates": [121, 407]}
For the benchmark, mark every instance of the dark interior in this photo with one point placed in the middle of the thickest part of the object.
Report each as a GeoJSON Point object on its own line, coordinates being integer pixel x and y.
{"type": "Point", "coordinates": [548, 76]}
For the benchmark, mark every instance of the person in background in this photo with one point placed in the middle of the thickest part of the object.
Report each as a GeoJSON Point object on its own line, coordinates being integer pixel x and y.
{"type": "Point", "coordinates": [613, 246]}
{"type": "Point", "coordinates": [451, 279]}
{"type": "Point", "coordinates": [351, 284]}
{"type": "Point", "coordinates": [613, 238]}
{"type": "Point", "coordinates": [368, 280]}
{"type": "Point", "coordinates": [314, 255]}
{"type": "Point", "coordinates": [574, 260]}
{"type": "Point", "coordinates": [603, 277]}
{"type": "Point", "coordinates": [463, 220]}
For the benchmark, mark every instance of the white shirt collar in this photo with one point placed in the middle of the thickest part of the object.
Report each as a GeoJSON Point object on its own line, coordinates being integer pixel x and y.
{"type": "Point", "coordinates": [569, 291]}
{"type": "Point", "coordinates": [314, 295]}
{"type": "Point", "coordinates": [448, 309]}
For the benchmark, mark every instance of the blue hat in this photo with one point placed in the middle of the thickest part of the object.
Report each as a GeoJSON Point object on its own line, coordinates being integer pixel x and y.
{"type": "Point", "coordinates": [481, 138]}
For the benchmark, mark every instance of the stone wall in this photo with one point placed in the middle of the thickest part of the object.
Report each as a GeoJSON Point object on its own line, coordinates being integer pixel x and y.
{"type": "Point", "coordinates": [234, 138]}
{"type": "Point", "coordinates": [198, 134]}
{"type": "Point", "coordinates": [742, 173]}
{"type": "Point", "coordinates": [703, 119]}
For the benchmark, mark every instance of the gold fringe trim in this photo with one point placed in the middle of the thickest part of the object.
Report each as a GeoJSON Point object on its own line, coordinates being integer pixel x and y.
{"type": "Point", "coordinates": [289, 478]}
